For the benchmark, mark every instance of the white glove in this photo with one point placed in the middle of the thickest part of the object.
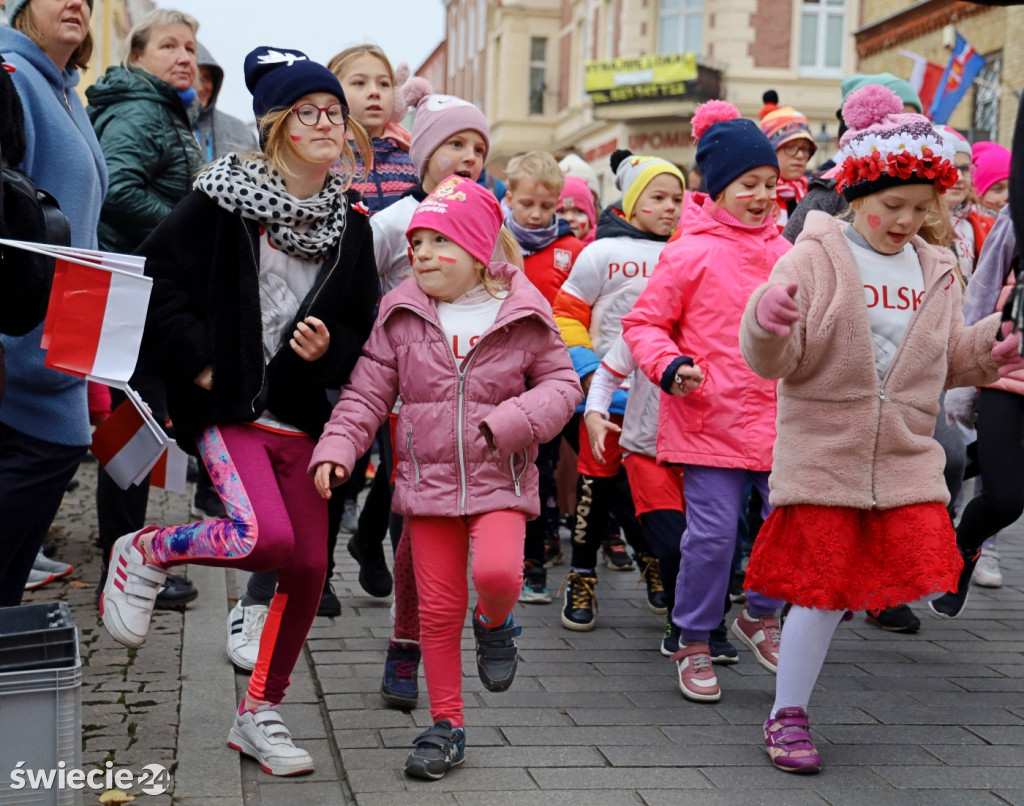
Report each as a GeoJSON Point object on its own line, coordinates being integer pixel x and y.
{"type": "Point", "coordinates": [960, 406]}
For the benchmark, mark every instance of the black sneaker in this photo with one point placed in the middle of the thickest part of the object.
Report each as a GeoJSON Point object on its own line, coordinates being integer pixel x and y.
{"type": "Point", "coordinates": [329, 607]}
{"type": "Point", "coordinates": [951, 605]}
{"type": "Point", "coordinates": [374, 576]}
{"type": "Point", "coordinates": [580, 607]}
{"type": "Point", "coordinates": [553, 551]}
{"type": "Point", "coordinates": [737, 594]}
{"type": "Point", "coordinates": [175, 593]}
{"type": "Point", "coordinates": [496, 654]}
{"type": "Point", "coordinates": [616, 556]}
{"type": "Point", "coordinates": [650, 573]}
{"type": "Point", "coordinates": [438, 749]}
{"type": "Point", "coordinates": [670, 643]}
{"type": "Point", "coordinates": [719, 648]}
{"type": "Point", "coordinates": [894, 619]}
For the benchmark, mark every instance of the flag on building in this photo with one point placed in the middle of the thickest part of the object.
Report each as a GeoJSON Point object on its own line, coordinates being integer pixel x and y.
{"type": "Point", "coordinates": [924, 78]}
{"type": "Point", "coordinates": [964, 65]}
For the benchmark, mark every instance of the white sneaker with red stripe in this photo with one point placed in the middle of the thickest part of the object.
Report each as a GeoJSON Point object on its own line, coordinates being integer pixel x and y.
{"type": "Point", "coordinates": [128, 597]}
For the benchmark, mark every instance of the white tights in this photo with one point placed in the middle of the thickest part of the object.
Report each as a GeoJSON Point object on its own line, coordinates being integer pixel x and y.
{"type": "Point", "coordinates": [804, 644]}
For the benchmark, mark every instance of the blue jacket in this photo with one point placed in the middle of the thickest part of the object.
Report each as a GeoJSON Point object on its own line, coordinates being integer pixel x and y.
{"type": "Point", "coordinates": [64, 158]}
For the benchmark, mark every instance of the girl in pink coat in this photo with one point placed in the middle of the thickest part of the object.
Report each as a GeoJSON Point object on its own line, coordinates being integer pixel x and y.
{"type": "Point", "coordinates": [718, 418]}
{"type": "Point", "coordinates": [862, 324]}
{"type": "Point", "coordinates": [484, 378]}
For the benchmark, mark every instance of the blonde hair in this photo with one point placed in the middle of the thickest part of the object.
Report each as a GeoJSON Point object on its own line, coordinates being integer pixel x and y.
{"type": "Point", "coordinates": [27, 24]}
{"type": "Point", "coordinates": [936, 229]}
{"type": "Point", "coordinates": [140, 34]}
{"type": "Point", "coordinates": [339, 64]}
{"type": "Point", "coordinates": [276, 143]}
{"type": "Point", "coordinates": [537, 166]}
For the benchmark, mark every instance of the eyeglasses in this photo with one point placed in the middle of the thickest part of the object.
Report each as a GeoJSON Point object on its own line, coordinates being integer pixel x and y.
{"type": "Point", "coordinates": [965, 170]}
{"type": "Point", "coordinates": [793, 149]}
{"type": "Point", "coordinates": [309, 114]}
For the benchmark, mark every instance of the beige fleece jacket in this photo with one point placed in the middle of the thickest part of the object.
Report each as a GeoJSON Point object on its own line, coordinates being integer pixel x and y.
{"type": "Point", "coordinates": [844, 438]}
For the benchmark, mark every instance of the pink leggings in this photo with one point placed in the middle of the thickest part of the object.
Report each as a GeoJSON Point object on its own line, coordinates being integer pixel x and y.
{"type": "Point", "coordinates": [275, 520]}
{"type": "Point", "coordinates": [440, 548]}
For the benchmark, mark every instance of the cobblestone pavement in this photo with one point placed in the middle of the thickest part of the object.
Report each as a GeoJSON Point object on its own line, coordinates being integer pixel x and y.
{"type": "Point", "coordinates": [936, 718]}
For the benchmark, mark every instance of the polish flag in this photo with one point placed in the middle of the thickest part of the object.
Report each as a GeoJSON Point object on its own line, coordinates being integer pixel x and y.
{"type": "Point", "coordinates": [128, 443]}
{"type": "Point", "coordinates": [95, 321]}
{"type": "Point", "coordinates": [924, 78]}
{"type": "Point", "coordinates": [171, 470]}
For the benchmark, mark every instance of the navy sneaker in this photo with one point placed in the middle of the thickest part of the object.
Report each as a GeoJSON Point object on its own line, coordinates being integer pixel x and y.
{"type": "Point", "coordinates": [670, 643]}
{"type": "Point", "coordinates": [438, 749]}
{"type": "Point", "coordinates": [720, 649]}
{"type": "Point", "coordinates": [401, 669]}
{"type": "Point", "coordinates": [496, 653]}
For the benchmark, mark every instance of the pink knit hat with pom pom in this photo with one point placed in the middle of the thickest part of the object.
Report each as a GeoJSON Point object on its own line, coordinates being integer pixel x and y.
{"type": "Point", "coordinates": [885, 147]}
{"type": "Point", "coordinates": [437, 118]}
{"type": "Point", "coordinates": [728, 145]}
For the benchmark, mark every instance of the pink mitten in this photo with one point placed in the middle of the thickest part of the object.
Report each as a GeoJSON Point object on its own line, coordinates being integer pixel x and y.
{"type": "Point", "coordinates": [777, 310]}
{"type": "Point", "coordinates": [1006, 353]}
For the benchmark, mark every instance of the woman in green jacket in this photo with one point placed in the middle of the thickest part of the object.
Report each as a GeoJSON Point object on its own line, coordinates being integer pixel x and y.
{"type": "Point", "coordinates": [143, 111]}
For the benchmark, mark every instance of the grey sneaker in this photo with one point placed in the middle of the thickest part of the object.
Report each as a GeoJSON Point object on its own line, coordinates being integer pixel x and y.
{"type": "Point", "coordinates": [262, 735]}
{"type": "Point", "coordinates": [48, 566]}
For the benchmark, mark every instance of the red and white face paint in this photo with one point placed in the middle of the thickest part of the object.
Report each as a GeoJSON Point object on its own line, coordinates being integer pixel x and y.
{"type": "Point", "coordinates": [750, 198]}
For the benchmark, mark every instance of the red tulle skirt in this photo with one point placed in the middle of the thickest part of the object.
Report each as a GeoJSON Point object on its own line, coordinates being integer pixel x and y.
{"type": "Point", "coordinates": [836, 558]}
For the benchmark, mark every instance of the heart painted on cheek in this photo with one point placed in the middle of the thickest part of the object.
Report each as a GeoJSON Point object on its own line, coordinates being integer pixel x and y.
{"type": "Point", "coordinates": [874, 221]}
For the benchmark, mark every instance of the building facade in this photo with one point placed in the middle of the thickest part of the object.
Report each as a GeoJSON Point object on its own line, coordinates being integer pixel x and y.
{"type": "Point", "coordinates": [525, 63]}
{"type": "Point", "coordinates": [111, 21]}
{"type": "Point", "coordinates": [928, 29]}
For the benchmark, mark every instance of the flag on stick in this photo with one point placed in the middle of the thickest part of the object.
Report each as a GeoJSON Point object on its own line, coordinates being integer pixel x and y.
{"type": "Point", "coordinates": [128, 443]}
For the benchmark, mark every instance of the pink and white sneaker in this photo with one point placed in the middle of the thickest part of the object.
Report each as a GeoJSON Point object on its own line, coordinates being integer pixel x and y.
{"type": "Point", "coordinates": [126, 604]}
{"type": "Point", "coordinates": [697, 678]}
{"type": "Point", "coordinates": [761, 636]}
{"type": "Point", "coordinates": [787, 738]}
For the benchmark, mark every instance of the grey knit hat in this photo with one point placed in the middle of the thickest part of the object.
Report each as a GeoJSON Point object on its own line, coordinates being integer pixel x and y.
{"type": "Point", "coordinates": [15, 7]}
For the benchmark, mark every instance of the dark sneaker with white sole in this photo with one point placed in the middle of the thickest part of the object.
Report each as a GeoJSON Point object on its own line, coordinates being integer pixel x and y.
{"type": "Point", "coordinates": [438, 749]}
{"type": "Point", "coordinates": [496, 653]}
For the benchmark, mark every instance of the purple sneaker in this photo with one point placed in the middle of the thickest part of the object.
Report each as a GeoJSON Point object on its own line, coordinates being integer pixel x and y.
{"type": "Point", "coordinates": [787, 738]}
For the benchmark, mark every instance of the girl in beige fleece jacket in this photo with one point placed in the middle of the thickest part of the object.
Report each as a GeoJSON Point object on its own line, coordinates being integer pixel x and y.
{"type": "Point", "coordinates": [862, 325]}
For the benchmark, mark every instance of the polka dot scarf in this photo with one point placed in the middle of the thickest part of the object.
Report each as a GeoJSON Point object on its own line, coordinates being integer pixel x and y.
{"type": "Point", "coordinates": [251, 188]}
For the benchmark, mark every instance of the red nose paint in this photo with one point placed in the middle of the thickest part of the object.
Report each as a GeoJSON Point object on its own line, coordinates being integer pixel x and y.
{"type": "Point", "coordinates": [874, 221]}
{"type": "Point", "coordinates": [446, 259]}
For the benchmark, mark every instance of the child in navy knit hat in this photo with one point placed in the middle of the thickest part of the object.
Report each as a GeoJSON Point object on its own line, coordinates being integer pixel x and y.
{"type": "Point", "coordinates": [717, 419]}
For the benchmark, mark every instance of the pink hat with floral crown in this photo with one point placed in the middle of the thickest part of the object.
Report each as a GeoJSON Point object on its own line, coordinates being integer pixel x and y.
{"type": "Point", "coordinates": [885, 147]}
{"type": "Point", "coordinates": [992, 163]}
{"type": "Point", "coordinates": [465, 212]}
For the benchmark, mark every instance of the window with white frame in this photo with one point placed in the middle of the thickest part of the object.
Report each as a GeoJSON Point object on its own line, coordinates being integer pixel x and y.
{"type": "Point", "coordinates": [538, 73]}
{"type": "Point", "coordinates": [987, 94]}
{"type": "Point", "coordinates": [822, 36]}
{"type": "Point", "coordinates": [680, 26]}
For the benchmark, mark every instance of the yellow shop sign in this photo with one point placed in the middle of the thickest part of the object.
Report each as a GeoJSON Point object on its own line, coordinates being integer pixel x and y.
{"type": "Point", "coordinates": [643, 78]}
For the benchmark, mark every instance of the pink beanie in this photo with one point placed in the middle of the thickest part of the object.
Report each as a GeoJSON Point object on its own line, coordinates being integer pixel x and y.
{"type": "Point", "coordinates": [576, 193]}
{"type": "Point", "coordinates": [992, 164]}
{"type": "Point", "coordinates": [464, 211]}
{"type": "Point", "coordinates": [437, 118]}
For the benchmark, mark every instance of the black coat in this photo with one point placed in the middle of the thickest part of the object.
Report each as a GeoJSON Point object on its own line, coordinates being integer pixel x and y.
{"type": "Point", "coordinates": [205, 311]}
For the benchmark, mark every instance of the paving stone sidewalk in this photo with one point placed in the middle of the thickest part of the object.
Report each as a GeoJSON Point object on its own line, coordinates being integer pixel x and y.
{"type": "Point", "coordinates": [936, 718]}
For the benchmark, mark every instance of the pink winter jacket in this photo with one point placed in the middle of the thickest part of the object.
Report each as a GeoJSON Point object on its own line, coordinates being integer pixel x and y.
{"type": "Point", "coordinates": [517, 379]}
{"type": "Point", "coordinates": [845, 438]}
{"type": "Point", "coordinates": [692, 306]}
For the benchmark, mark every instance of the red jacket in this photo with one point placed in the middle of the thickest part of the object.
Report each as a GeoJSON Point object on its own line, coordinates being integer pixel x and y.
{"type": "Point", "coordinates": [549, 268]}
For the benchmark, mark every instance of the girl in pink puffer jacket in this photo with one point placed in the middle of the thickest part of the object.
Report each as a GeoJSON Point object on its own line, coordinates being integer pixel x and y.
{"type": "Point", "coordinates": [484, 378]}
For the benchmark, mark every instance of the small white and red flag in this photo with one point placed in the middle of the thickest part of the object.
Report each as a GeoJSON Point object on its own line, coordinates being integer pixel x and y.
{"type": "Point", "coordinates": [128, 443]}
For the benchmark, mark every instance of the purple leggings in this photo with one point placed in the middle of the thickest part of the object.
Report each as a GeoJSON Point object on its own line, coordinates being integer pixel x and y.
{"type": "Point", "coordinates": [275, 520]}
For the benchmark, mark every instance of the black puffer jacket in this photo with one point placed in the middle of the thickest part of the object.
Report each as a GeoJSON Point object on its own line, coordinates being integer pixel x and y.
{"type": "Point", "coordinates": [152, 155]}
{"type": "Point", "coordinates": [205, 311]}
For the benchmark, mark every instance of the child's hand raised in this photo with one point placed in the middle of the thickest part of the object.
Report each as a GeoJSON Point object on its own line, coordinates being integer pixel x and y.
{"type": "Point", "coordinates": [1006, 353]}
{"type": "Point", "coordinates": [310, 339]}
{"type": "Point", "coordinates": [598, 428]}
{"type": "Point", "coordinates": [327, 475]}
{"type": "Point", "coordinates": [777, 310]}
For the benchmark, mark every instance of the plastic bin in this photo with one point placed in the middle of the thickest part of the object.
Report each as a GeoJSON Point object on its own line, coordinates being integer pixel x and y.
{"type": "Point", "coordinates": [37, 636]}
{"type": "Point", "coordinates": [41, 725]}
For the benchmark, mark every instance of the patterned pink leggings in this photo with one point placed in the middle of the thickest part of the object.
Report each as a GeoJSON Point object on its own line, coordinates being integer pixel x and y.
{"type": "Point", "coordinates": [275, 520]}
